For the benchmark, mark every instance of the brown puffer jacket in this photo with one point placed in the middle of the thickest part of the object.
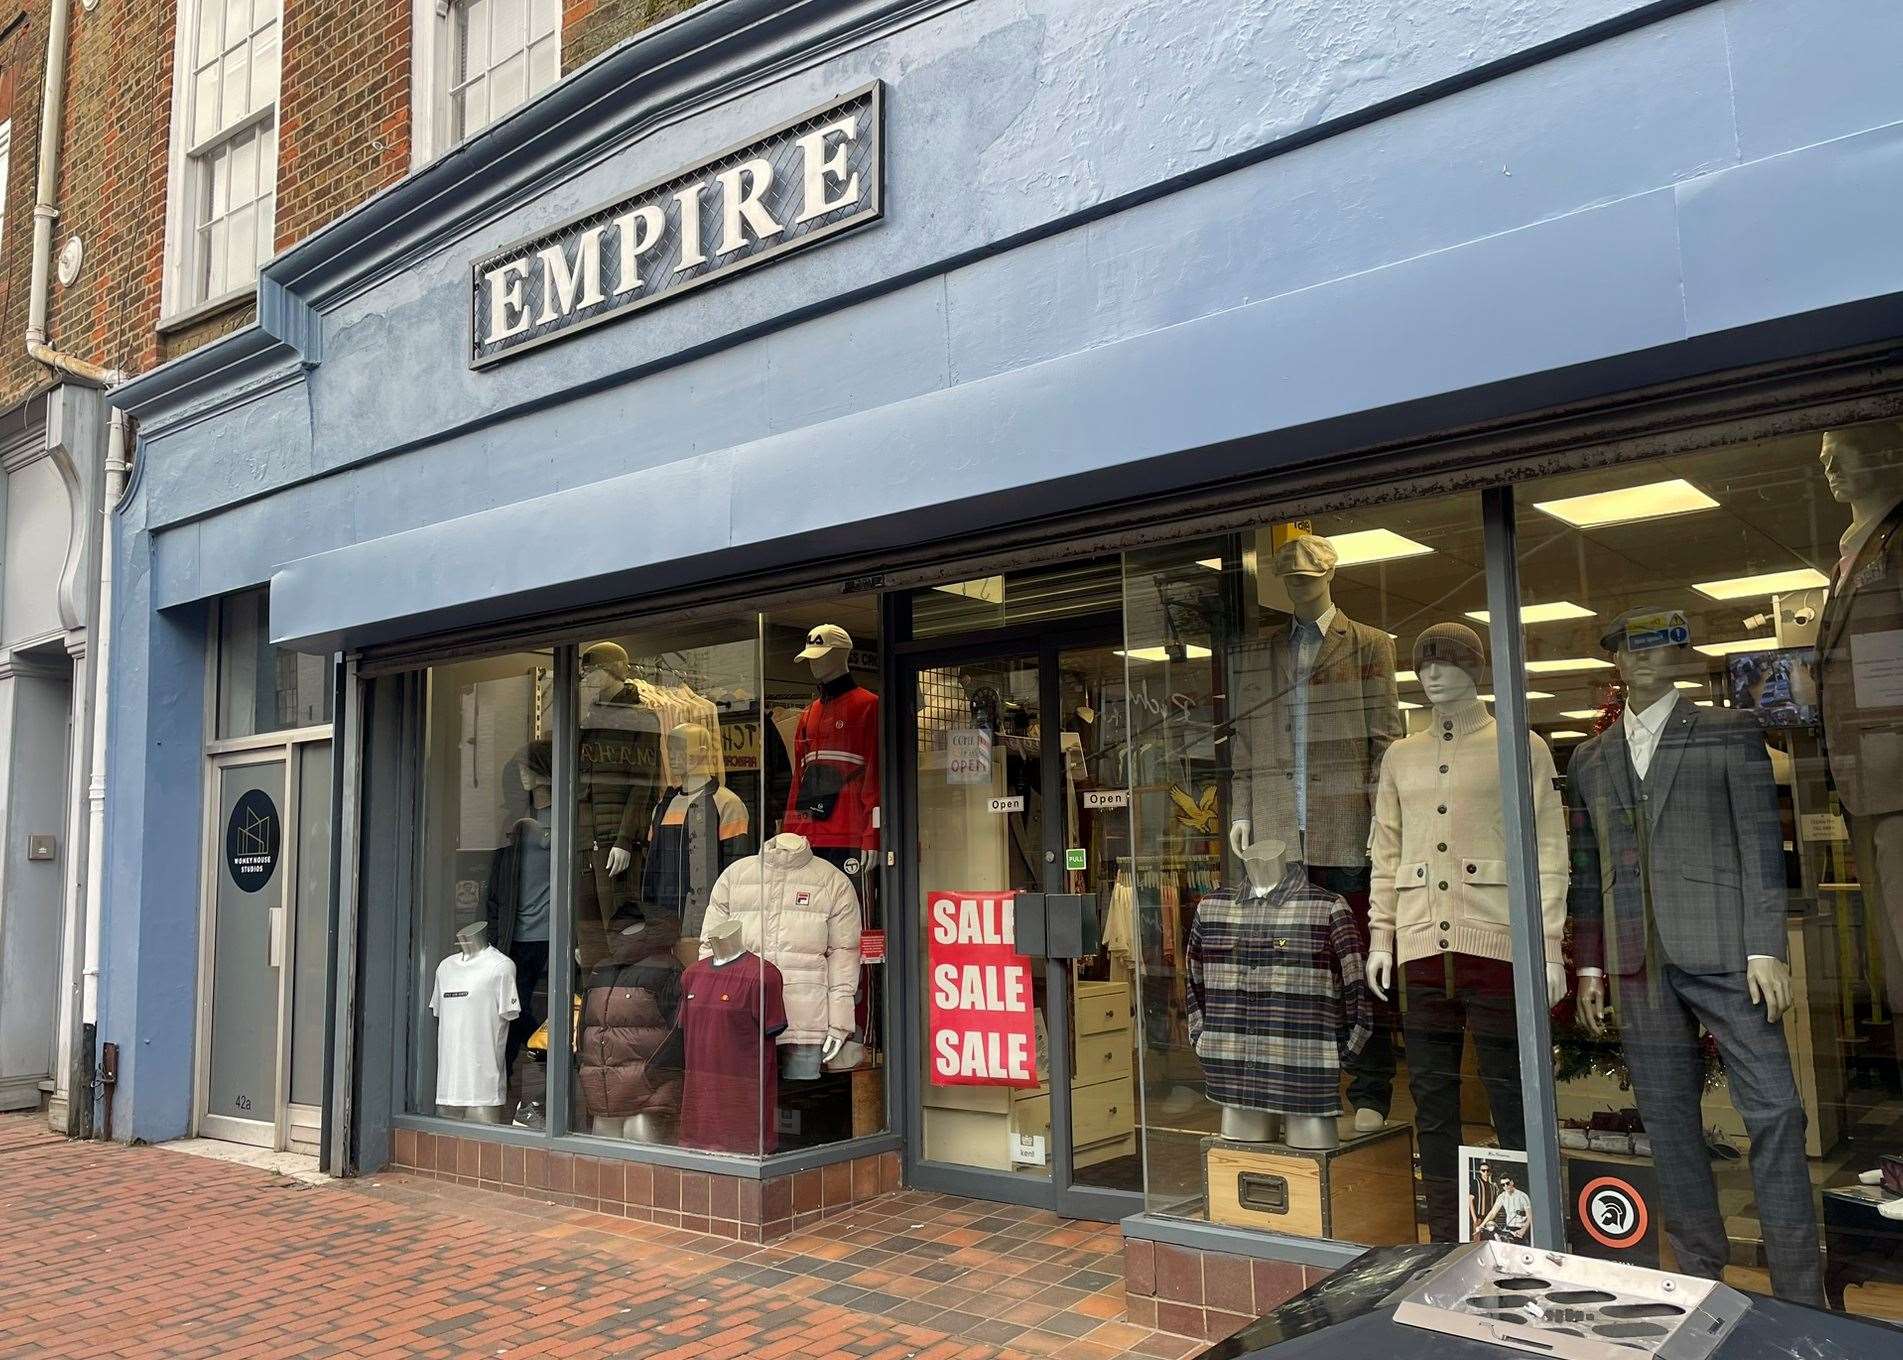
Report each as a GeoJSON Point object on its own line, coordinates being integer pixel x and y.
{"type": "Point", "coordinates": [629, 1005]}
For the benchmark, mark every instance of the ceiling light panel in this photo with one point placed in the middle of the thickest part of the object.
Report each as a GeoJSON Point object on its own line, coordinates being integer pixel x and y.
{"type": "Point", "coordinates": [1654, 500]}
{"type": "Point", "coordinates": [1556, 611]}
{"type": "Point", "coordinates": [1560, 665]}
{"type": "Point", "coordinates": [1764, 583]}
{"type": "Point", "coordinates": [1363, 546]}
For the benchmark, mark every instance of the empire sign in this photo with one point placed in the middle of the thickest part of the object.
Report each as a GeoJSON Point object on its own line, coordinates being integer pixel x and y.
{"type": "Point", "coordinates": [804, 182]}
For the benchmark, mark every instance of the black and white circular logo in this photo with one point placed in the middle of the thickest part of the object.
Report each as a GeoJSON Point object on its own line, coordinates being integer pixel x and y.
{"type": "Point", "coordinates": [1613, 1212]}
{"type": "Point", "coordinates": [252, 840]}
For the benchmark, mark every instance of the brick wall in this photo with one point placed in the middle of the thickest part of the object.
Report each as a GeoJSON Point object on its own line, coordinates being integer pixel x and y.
{"type": "Point", "coordinates": [1205, 1293]}
{"type": "Point", "coordinates": [591, 27]}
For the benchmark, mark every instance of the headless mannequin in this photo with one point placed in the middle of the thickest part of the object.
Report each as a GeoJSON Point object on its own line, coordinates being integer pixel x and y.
{"type": "Point", "coordinates": [724, 940]}
{"type": "Point", "coordinates": [472, 939]}
{"type": "Point", "coordinates": [1648, 677]}
{"type": "Point", "coordinates": [690, 750]}
{"type": "Point", "coordinates": [1451, 691]}
{"type": "Point", "coordinates": [1310, 597]}
{"type": "Point", "coordinates": [644, 1127]}
{"type": "Point", "coordinates": [1266, 862]}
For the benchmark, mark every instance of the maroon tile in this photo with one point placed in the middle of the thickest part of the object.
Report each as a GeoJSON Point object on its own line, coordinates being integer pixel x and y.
{"type": "Point", "coordinates": [1217, 1324]}
{"type": "Point", "coordinates": [806, 1196]}
{"type": "Point", "coordinates": [696, 1193]}
{"type": "Point", "coordinates": [1228, 1283]}
{"type": "Point", "coordinates": [751, 1199]}
{"type": "Point", "coordinates": [638, 1183]}
{"type": "Point", "coordinates": [1313, 1275]}
{"type": "Point", "coordinates": [1179, 1275]}
{"type": "Point", "coordinates": [403, 1148]}
{"type": "Point", "coordinates": [535, 1169]}
{"type": "Point", "coordinates": [776, 1199]}
{"type": "Point", "coordinates": [752, 1232]}
{"type": "Point", "coordinates": [611, 1184]}
{"type": "Point", "coordinates": [1276, 1282]}
{"type": "Point", "coordinates": [1139, 1266]}
{"type": "Point", "coordinates": [587, 1178]}
{"type": "Point", "coordinates": [512, 1159]}
{"type": "Point", "coordinates": [1140, 1309]}
{"type": "Point", "coordinates": [490, 1167]}
{"type": "Point", "coordinates": [561, 1173]}
{"type": "Point", "coordinates": [699, 1223]}
{"type": "Point", "coordinates": [667, 1189]}
{"type": "Point", "coordinates": [667, 1218]}
{"type": "Point", "coordinates": [1179, 1318]}
{"type": "Point", "coordinates": [891, 1172]}
{"type": "Point", "coordinates": [423, 1154]}
{"type": "Point", "coordinates": [835, 1184]}
{"type": "Point", "coordinates": [725, 1199]}
{"type": "Point", "coordinates": [469, 1158]}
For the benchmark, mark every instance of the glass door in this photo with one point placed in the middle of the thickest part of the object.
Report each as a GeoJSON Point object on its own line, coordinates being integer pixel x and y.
{"type": "Point", "coordinates": [1022, 1031]}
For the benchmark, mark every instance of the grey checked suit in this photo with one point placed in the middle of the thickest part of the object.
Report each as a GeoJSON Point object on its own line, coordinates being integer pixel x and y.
{"type": "Point", "coordinates": [1677, 878]}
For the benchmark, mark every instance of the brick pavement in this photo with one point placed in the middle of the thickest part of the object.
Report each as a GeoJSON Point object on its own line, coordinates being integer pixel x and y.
{"type": "Point", "coordinates": [148, 1252]}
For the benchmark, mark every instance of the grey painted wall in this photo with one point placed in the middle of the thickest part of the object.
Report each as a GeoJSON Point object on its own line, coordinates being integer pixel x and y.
{"type": "Point", "coordinates": [1664, 184]}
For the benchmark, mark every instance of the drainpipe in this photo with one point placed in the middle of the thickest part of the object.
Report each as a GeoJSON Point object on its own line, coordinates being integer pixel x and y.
{"type": "Point", "coordinates": [46, 212]}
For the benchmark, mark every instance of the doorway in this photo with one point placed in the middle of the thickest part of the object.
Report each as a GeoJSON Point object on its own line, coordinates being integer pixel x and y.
{"type": "Point", "coordinates": [1014, 765]}
{"type": "Point", "coordinates": [263, 946]}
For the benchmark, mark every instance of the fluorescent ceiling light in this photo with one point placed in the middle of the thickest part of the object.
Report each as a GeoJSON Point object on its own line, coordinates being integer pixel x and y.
{"type": "Point", "coordinates": [1191, 652]}
{"type": "Point", "coordinates": [1569, 663]}
{"type": "Point", "coordinates": [989, 589]}
{"type": "Point", "coordinates": [1406, 678]}
{"type": "Point", "coordinates": [1373, 545]}
{"type": "Point", "coordinates": [1556, 611]}
{"type": "Point", "coordinates": [1654, 500]}
{"type": "Point", "coordinates": [1580, 714]}
{"type": "Point", "coordinates": [1765, 583]}
{"type": "Point", "coordinates": [1703, 703]}
{"type": "Point", "coordinates": [1565, 734]}
{"type": "Point", "coordinates": [1750, 644]}
{"type": "Point", "coordinates": [1688, 684]}
{"type": "Point", "coordinates": [1531, 696]}
{"type": "Point", "coordinates": [1407, 707]}
{"type": "Point", "coordinates": [1213, 563]}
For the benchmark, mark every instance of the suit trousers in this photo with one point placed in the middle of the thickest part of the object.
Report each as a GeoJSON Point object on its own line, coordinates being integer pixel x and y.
{"type": "Point", "coordinates": [1878, 842]}
{"type": "Point", "coordinates": [1435, 1022]}
{"type": "Point", "coordinates": [1659, 1018]}
{"type": "Point", "coordinates": [531, 971]}
{"type": "Point", "coordinates": [1371, 1072]}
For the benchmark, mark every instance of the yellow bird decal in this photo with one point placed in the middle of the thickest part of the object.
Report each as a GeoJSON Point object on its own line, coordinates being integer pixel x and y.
{"type": "Point", "coordinates": [1198, 814]}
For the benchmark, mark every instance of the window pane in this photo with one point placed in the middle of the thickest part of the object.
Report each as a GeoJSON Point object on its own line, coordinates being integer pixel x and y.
{"type": "Point", "coordinates": [217, 244]}
{"type": "Point", "coordinates": [1320, 868]}
{"type": "Point", "coordinates": [262, 688]}
{"type": "Point", "coordinates": [235, 102]}
{"type": "Point", "coordinates": [243, 160]}
{"type": "Point", "coordinates": [238, 19]}
{"type": "Point", "coordinates": [508, 86]}
{"type": "Point", "coordinates": [264, 68]}
{"type": "Point", "coordinates": [205, 103]}
{"type": "Point", "coordinates": [546, 18]}
{"type": "Point", "coordinates": [242, 240]}
{"type": "Point", "coordinates": [211, 15]}
{"type": "Point", "coordinates": [1732, 767]}
{"type": "Point", "coordinates": [480, 988]}
{"type": "Point", "coordinates": [475, 38]}
{"type": "Point", "coordinates": [508, 32]}
{"type": "Point", "coordinates": [545, 65]}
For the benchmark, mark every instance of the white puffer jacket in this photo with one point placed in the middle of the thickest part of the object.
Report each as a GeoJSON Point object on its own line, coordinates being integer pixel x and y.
{"type": "Point", "coordinates": [800, 914]}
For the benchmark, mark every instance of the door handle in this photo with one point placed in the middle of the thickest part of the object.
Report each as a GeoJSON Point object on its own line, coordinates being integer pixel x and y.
{"type": "Point", "coordinates": [276, 951]}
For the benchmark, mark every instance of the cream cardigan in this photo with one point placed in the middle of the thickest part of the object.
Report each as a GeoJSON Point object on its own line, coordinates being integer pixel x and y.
{"type": "Point", "coordinates": [1439, 843]}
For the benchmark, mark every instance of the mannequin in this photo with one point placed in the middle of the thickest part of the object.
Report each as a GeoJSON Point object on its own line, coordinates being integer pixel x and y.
{"type": "Point", "coordinates": [1677, 807]}
{"type": "Point", "coordinates": [517, 903]}
{"type": "Point", "coordinates": [697, 829]}
{"type": "Point", "coordinates": [630, 1003]}
{"type": "Point", "coordinates": [834, 801]}
{"type": "Point", "coordinates": [620, 763]}
{"type": "Point", "coordinates": [1272, 971]}
{"type": "Point", "coordinates": [801, 915]}
{"type": "Point", "coordinates": [1440, 900]}
{"type": "Point", "coordinates": [474, 1000]}
{"type": "Point", "coordinates": [1863, 732]}
{"type": "Point", "coordinates": [1318, 708]}
{"type": "Point", "coordinates": [732, 1011]}
{"type": "Point", "coordinates": [724, 942]}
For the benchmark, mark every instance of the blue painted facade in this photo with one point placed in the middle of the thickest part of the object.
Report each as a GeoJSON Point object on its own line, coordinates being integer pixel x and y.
{"type": "Point", "coordinates": [1127, 249]}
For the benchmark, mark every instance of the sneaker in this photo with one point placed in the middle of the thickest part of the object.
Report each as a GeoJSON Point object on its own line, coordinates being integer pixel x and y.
{"type": "Point", "coordinates": [1370, 1121]}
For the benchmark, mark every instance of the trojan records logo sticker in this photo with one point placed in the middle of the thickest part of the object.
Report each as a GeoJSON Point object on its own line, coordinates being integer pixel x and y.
{"type": "Point", "coordinates": [253, 836]}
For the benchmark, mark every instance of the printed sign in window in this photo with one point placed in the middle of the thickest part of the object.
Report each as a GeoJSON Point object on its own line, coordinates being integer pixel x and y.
{"type": "Point", "coordinates": [983, 1012]}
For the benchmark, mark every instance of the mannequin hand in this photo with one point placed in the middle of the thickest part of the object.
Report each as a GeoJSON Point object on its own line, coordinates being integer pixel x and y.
{"type": "Point", "coordinates": [830, 1049]}
{"type": "Point", "coordinates": [618, 861]}
{"type": "Point", "coordinates": [1770, 983]}
{"type": "Point", "coordinates": [1555, 984]}
{"type": "Point", "coordinates": [1592, 1005]}
{"type": "Point", "coordinates": [1238, 837]}
{"type": "Point", "coordinates": [1380, 972]}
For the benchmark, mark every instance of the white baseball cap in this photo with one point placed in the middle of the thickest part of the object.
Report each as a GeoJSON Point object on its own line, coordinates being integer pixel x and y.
{"type": "Point", "coordinates": [826, 638]}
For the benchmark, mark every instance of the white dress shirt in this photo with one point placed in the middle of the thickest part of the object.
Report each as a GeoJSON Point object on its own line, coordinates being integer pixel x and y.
{"type": "Point", "coordinates": [1308, 638]}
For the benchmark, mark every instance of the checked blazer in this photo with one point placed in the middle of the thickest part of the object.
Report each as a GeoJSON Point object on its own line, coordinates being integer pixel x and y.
{"type": "Point", "coordinates": [1278, 996]}
{"type": "Point", "coordinates": [1698, 840]}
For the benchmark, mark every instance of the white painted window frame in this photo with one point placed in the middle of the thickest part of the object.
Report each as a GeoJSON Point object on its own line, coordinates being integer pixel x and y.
{"type": "Point", "coordinates": [6, 169]}
{"type": "Point", "coordinates": [176, 303]}
{"type": "Point", "coordinates": [432, 67]}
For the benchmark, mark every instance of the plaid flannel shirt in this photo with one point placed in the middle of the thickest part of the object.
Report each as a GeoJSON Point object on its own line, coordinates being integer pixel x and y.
{"type": "Point", "coordinates": [1278, 996]}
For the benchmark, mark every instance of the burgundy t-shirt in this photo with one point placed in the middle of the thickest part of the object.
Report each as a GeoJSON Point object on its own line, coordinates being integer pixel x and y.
{"type": "Point", "coordinates": [730, 1014]}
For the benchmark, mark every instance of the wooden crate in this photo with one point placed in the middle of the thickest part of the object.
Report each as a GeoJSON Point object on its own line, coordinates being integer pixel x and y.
{"type": "Point", "coordinates": [1361, 1191]}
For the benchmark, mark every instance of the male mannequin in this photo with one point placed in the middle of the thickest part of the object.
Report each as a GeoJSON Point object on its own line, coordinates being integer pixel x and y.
{"type": "Point", "coordinates": [474, 1000]}
{"type": "Point", "coordinates": [1277, 999]}
{"type": "Point", "coordinates": [834, 801]}
{"type": "Point", "coordinates": [1440, 898]}
{"type": "Point", "coordinates": [630, 1003]}
{"type": "Point", "coordinates": [732, 1012]}
{"type": "Point", "coordinates": [518, 900]}
{"type": "Point", "coordinates": [1317, 708]}
{"type": "Point", "coordinates": [1863, 725]}
{"type": "Point", "coordinates": [698, 828]}
{"type": "Point", "coordinates": [1680, 897]}
{"type": "Point", "coordinates": [620, 765]}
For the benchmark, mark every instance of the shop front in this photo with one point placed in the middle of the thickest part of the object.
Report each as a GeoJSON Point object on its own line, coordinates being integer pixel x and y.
{"type": "Point", "coordinates": [1263, 684]}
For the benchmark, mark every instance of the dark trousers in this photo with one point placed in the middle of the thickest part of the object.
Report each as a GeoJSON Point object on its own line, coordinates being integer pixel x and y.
{"type": "Point", "coordinates": [1659, 1018]}
{"type": "Point", "coordinates": [531, 969]}
{"type": "Point", "coordinates": [1435, 1021]}
{"type": "Point", "coordinates": [1371, 1074]}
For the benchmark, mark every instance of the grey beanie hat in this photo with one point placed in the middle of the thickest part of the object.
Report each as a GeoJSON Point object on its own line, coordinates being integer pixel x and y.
{"type": "Point", "coordinates": [1457, 645]}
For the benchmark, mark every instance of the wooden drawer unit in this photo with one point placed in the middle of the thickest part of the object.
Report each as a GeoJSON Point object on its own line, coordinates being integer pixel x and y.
{"type": "Point", "coordinates": [1360, 1192]}
{"type": "Point", "coordinates": [1102, 1007]}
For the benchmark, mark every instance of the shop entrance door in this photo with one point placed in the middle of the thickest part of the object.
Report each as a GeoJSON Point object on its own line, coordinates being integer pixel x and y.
{"type": "Point", "coordinates": [1014, 785]}
{"type": "Point", "coordinates": [263, 941]}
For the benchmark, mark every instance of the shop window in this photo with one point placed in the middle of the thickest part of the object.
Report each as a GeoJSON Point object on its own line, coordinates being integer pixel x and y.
{"type": "Point", "coordinates": [262, 688]}
{"type": "Point", "coordinates": [1043, 595]}
{"type": "Point", "coordinates": [1715, 639]}
{"type": "Point", "coordinates": [1314, 905]}
{"type": "Point", "coordinates": [483, 922]}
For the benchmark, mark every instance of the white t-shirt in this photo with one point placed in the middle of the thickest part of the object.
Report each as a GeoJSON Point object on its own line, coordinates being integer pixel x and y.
{"type": "Point", "coordinates": [474, 1002]}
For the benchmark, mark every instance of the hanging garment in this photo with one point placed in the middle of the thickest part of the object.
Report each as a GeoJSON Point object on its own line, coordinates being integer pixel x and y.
{"type": "Point", "coordinates": [692, 838]}
{"type": "Point", "coordinates": [473, 1001]}
{"type": "Point", "coordinates": [835, 794]}
{"type": "Point", "coordinates": [1278, 996]}
{"type": "Point", "coordinates": [730, 1015]}
{"type": "Point", "coordinates": [628, 1007]}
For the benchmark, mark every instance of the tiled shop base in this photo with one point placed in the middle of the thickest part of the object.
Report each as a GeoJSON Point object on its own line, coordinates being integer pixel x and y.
{"type": "Point", "coordinates": [726, 1206]}
{"type": "Point", "coordinates": [1205, 1293]}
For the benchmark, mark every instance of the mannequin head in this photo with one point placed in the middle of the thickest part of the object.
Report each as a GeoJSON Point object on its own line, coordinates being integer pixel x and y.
{"type": "Point", "coordinates": [608, 657]}
{"type": "Point", "coordinates": [724, 940]}
{"type": "Point", "coordinates": [1306, 567]}
{"type": "Point", "coordinates": [538, 780]}
{"type": "Point", "coordinates": [1451, 661]}
{"type": "Point", "coordinates": [1264, 861]}
{"type": "Point", "coordinates": [473, 938]}
{"type": "Point", "coordinates": [690, 748]}
{"type": "Point", "coordinates": [828, 648]}
{"type": "Point", "coordinates": [1647, 672]}
{"type": "Point", "coordinates": [1864, 463]}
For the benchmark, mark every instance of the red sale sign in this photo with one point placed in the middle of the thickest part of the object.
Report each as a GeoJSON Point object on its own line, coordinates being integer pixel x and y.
{"type": "Point", "coordinates": [984, 1012]}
